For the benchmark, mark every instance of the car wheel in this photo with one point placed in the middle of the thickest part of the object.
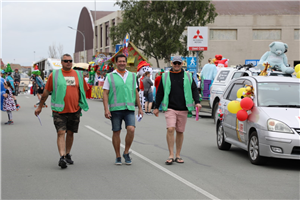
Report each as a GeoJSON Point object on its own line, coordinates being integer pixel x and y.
{"type": "Point", "coordinates": [253, 149]}
{"type": "Point", "coordinates": [220, 138]}
{"type": "Point", "coordinates": [215, 112]}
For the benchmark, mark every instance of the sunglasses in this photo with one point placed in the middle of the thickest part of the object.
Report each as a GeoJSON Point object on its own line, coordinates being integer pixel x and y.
{"type": "Point", "coordinates": [177, 63]}
{"type": "Point", "coordinates": [66, 61]}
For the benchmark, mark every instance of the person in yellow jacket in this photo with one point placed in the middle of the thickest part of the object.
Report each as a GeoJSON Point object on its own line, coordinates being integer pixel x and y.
{"type": "Point", "coordinates": [177, 93]}
{"type": "Point", "coordinates": [67, 100]}
{"type": "Point", "coordinates": [120, 95]}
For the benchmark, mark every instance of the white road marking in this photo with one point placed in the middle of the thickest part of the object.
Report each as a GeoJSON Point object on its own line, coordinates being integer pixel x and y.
{"type": "Point", "coordinates": [191, 185]}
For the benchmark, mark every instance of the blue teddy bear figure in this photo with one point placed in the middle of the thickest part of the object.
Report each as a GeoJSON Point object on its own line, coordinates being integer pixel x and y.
{"type": "Point", "coordinates": [276, 58]}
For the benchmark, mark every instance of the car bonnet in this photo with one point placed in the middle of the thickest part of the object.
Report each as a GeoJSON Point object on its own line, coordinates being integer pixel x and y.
{"type": "Point", "coordinates": [289, 116]}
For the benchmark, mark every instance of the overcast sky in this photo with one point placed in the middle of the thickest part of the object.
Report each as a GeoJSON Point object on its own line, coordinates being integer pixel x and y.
{"type": "Point", "coordinates": [32, 26]}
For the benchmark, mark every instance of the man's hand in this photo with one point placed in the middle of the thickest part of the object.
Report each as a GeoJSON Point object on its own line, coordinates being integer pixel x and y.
{"type": "Point", "coordinates": [37, 111]}
{"type": "Point", "coordinates": [199, 106]}
{"type": "Point", "coordinates": [107, 114]}
{"type": "Point", "coordinates": [141, 112]}
{"type": "Point", "coordinates": [156, 112]}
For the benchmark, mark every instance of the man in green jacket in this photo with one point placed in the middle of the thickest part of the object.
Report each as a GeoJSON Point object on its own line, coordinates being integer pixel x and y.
{"type": "Point", "coordinates": [67, 100]}
{"type": "Point", "coordinates": [177, 92]}
{"type": "Point", "coordinates": [119, 98]}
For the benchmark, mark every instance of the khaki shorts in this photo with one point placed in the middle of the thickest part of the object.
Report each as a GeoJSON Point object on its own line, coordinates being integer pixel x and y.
{"type": "Point", "coordinates": [176, 119]}
{"type": "Point", "coordinates": [67, 121]}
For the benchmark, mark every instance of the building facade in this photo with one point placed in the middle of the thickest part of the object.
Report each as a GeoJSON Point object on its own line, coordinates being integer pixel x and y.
{"type": "Point", "coordinates": [241, 31]}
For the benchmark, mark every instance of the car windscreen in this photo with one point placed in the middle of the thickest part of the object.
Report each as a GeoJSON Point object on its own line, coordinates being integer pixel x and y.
{"type": "Point", "coordinates": [278, 94]}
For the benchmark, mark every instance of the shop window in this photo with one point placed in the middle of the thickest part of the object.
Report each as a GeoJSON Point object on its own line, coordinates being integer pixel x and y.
{"type": "Point", "coordinates": [223, 34]}
{"type": "Point", "coordinates": [266, 34]}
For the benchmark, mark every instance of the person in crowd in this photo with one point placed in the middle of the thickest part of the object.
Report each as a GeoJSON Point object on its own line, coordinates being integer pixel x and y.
{"type": "Point", "coordinates": [40, 85]}
{"type": "Point", "coordinates": [9, 78]}
{"type": "Point", "coordinates": [119, 98]}
{"type": "Point", "coordinates": [1, 74]}
{"type": "Point", "coordinates": [17, 80]}
{"type": "Point", "coordinates": [209, 71]}
{"type": "Point", "coordinates": [8, 102]}
{"type": "Point", "coordinates": [148, 93]}
{"type": "Point", "coordinates": [67, 100]}
{"type": "Point", "coordinates": [177, 92]}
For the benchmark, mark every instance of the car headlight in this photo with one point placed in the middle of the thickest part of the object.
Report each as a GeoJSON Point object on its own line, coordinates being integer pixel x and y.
{"type": "Point", "coordinates": [278, 126]}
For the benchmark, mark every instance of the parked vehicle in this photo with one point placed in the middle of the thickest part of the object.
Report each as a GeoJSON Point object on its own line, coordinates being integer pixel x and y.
{"type": "Point", "coordinates": [222, 79]}
{"type": "Point", "coordinates": [273, 127]}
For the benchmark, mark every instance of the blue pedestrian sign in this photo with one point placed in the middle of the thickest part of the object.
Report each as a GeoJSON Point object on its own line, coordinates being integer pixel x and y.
{"type": "Point", "coordinates": [254, 62]}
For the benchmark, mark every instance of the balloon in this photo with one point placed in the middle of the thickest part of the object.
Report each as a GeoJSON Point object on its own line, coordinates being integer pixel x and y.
{"type": "Point", "coordinates": [240, 92]}
{"type": "Point", "coordinates": [234, 107]}
{"type": "Point", "coordinates": [247, 103]}
{"type": "Point", "coordinates": [298, 75]}
{"type": "Point", "coordinates": [242, 115]}
{"type": "Point", "coordinates": [297, 68]}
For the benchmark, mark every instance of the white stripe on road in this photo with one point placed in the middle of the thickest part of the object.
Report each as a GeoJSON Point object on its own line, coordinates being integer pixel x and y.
{"type": "Point", "coordinates": [191, 185]}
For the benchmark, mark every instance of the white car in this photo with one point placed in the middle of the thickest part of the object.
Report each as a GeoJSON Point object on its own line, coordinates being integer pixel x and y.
{"type": "Point", "coordinates": [221, 81]}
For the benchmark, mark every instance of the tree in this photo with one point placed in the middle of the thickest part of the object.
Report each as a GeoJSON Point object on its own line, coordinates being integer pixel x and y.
{"type": "Point", "coordinates": [55, 51]}
{"type": "Point", "coordinates": [156, 27]}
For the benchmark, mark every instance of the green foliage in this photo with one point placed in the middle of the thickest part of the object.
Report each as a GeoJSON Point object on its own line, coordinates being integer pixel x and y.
{"type": "Point", "coordinates": [156, 27]}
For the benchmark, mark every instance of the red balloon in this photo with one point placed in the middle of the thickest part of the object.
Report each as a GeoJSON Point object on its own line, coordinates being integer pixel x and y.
{"type": "Point", "coordinates": [247, 103]}
{"type": "Point", "coordinates": [242, 115]}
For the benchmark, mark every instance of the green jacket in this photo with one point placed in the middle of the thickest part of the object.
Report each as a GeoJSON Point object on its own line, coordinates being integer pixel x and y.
{"type": "Point", "coordinates": [187, 85]}
{"type": "Point", "coordinates": [121, 96]}
{"type": "Point", "coordinates": [59, 91]}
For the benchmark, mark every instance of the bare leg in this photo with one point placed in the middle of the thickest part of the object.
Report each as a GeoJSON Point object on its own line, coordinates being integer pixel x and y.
{"type": "Point", "coordinates": [149, 106]}
{"type": "Point", "coordinates": [61, 143]}
{"type": "Point", "coordinates": [69, 141]}
{"type": "Point", "coordinates": [129, 138]}
{"type": "Point", "coordinates": [170, 141]}
{"type": "Point", "coordinates": [116, 142]}
{"type": "Point", "coordinates": [179, 141]}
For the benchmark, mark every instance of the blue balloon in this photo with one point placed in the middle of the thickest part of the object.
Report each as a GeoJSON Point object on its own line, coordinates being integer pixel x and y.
{"type": "Point", "coordinates": [3, 90]}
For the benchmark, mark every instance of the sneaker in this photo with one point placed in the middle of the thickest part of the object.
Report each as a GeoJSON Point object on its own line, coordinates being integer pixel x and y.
{"type": "Point", "coordinates": [127, 159]}
{"type": "Point", "coordinates": [9, 123]}
{"type": "Point", "coordinates": [118, 161]}
{"type": "Point", "coordinates": [62, 162]}
{"type": "Point", "coordinates": [68, 159]}
{"type": "Point", "coordinates": [150, 113]}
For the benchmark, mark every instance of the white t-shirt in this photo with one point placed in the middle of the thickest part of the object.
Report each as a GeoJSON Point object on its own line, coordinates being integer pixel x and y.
{"type": "Point", "coordinates": [106, 83]}
{"type": "Point", "coordinates": [86, 79]}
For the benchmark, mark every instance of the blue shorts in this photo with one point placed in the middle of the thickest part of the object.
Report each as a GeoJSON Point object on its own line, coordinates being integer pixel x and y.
{"type": "Point", "coordinates": [149, 98]}
{"type": "Point", "coordinates": [118, 116]}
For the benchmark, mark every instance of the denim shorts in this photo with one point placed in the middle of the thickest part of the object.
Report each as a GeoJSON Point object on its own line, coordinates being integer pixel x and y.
{"type": "Point", "coordinates": [149, 98]}
{"type": "Point", "coordinates": [118, 116]}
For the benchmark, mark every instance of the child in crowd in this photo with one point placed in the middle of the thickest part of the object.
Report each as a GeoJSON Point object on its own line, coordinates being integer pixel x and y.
{"type": "Point", "coordinates": [8, 102]}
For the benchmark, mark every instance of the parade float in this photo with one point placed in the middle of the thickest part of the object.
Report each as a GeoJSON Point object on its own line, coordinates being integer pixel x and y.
{"type": "Point", "coordinates": [107, 63]}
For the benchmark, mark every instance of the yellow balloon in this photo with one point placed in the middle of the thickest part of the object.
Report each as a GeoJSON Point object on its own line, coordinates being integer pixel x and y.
{"type": "Point", "coordinates": [234, 106]}
{"type": "Point", "coordinates": [298, 75]}
{"type": "Point", "coordinates": [297, 68]}
{"type": "Point", "coordinates": [240, 92]}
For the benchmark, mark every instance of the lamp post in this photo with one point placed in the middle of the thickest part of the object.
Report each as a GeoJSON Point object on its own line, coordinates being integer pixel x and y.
{"type": "Point", "coordinates": [83, 40]}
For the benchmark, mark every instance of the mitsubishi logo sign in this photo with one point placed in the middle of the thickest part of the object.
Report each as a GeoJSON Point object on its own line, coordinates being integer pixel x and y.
{"type": "Point", "coordinates": [197, 38]}
{"type": "Point", "coordinates": [198, 35]}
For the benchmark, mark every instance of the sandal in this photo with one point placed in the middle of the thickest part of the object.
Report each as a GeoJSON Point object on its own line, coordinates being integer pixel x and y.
{"type": "Point", "coordinates": [179, 159]}
{"type": "Point", "coordinates": [169, 161]}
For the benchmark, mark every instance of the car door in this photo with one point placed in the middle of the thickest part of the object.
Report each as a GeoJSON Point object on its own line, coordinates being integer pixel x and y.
{"type": "Point", "coordinates": [229, 122]}
{"type": "Point", "coordinates": [241, 127]}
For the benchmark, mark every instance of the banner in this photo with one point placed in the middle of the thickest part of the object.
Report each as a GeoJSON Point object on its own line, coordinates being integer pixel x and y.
{"type": "Point", "coordinates": [97, 92]}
